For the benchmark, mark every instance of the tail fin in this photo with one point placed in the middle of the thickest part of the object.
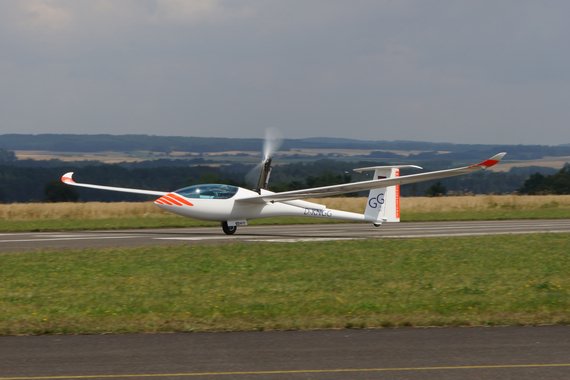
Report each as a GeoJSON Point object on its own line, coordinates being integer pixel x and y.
{"type": "Point", "coordinates": [383, 204]}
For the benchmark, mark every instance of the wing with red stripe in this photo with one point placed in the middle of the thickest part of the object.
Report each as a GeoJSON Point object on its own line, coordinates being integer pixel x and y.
{"type": "Point", "coordinates": [172, 199]}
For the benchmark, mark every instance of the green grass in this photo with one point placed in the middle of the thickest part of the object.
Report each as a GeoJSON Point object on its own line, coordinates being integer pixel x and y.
{"type": "Point", "coordinates": [100, 224]}
{"type": "Point", "coordinates": [490, 280]}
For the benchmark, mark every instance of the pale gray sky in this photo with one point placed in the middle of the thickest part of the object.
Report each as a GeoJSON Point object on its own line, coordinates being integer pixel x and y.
{"type": "Point", "coordinates": [485, 71]}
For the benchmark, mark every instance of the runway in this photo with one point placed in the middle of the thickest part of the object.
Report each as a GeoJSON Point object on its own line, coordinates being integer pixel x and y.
{"type": "Point", "coordinates": [436, 353]}
{"type": "Point", "coordinates": [23, 242]}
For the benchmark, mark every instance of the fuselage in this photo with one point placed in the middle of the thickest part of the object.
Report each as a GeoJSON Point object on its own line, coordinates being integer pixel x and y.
{"type": "Point", "coordinates": [221, 203]}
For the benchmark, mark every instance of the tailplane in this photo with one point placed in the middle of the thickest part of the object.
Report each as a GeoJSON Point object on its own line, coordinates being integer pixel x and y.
{"type": "Point", "coordinates": [383, 204]}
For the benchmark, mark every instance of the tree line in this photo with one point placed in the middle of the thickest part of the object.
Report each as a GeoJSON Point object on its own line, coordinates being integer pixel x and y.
{"type": "Point", "coordinates": [38, 181]}
{"type": "Point", "coordinates": [558, 183]}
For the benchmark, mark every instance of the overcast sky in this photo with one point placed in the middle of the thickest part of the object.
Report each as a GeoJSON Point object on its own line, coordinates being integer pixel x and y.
{"type": "Point", "coordinates": [469, 71]}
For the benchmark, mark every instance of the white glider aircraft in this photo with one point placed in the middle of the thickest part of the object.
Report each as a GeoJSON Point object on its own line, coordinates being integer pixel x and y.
{"type": "Point", "coordinates": [233, 206]}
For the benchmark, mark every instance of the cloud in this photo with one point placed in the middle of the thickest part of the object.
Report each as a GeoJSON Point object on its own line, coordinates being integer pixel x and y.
{"type": "Point", "coordinates": [408, 69]}
{"type": "Point", "coordinates": [198, 11]}
{"type": "Point", "coordinates": [43, 16]}
{"type": "Point", "coordinates": [100, 17]}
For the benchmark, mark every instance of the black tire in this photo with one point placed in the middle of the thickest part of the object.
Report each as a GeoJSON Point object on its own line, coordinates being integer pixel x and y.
{"type": "Point", "coordinates": [228, 230]}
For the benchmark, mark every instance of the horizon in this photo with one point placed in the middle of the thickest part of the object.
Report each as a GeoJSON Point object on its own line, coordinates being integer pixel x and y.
{"type": "Point", "coordinates": [284, 138]}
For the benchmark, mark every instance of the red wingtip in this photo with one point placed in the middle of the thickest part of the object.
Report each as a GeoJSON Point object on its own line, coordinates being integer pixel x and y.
{"type": "Point", "coordinates": [492, 161]}
{"type": "Point", "coordinates": [67, 178]}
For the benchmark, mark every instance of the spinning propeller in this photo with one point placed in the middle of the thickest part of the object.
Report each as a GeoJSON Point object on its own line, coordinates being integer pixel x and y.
{"type": "Point", "coordinates": [271, 144]}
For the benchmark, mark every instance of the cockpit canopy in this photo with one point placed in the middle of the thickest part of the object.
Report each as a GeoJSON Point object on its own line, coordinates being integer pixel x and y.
{"type": "Point", "coordinates": [208, 191]}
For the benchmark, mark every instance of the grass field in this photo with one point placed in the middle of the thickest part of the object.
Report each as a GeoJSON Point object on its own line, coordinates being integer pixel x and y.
{"type": "Point", "coordinates": [487, 280]}
{"type": "Point", "coordinates": [97, 215]}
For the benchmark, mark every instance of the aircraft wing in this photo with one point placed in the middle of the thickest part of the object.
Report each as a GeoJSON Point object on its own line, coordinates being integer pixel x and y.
{"type": "Point", "coordinates": [327, 191]}
{"type": "Point", "coordinates": [67, 178]}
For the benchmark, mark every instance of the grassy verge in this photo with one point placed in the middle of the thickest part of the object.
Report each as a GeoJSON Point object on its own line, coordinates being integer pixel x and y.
{"type": "Point", "coordinates": [100, 224]}
{"type": "Point", "coordinates": [418, 282]}
{"type": "Point", "coordinates": [97, 215]}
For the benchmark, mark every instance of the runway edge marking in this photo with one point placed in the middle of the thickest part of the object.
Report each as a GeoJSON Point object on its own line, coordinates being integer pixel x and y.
{"type": "Point", "coordinates": [291, 372]}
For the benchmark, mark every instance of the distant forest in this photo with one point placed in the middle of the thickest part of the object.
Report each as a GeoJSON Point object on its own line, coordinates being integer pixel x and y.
{"type": "Point", "coordinates": [30, 180]}
{"type": "Point", "coordinates": [538, 183]}
{"type": "Point", "coordinates": [27, 180]}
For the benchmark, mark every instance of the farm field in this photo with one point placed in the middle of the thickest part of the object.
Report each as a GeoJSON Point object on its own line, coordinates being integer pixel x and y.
{"type": "Point", "coordinates": [96, 215]}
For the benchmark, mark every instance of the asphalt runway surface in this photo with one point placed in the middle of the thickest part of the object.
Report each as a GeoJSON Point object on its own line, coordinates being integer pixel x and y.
{"type": "Point", "coordinates": [436, 353]}
{"type": "Point", "coordinates": [21, 242]}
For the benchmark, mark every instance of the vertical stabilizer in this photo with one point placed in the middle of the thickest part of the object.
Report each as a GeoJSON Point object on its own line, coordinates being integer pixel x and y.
{"type": "Point", "coordinates": [383, 204]}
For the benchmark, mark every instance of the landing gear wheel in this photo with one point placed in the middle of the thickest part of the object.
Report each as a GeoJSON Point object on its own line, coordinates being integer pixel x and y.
{"type": "Point", "coordinates": [228, 230]}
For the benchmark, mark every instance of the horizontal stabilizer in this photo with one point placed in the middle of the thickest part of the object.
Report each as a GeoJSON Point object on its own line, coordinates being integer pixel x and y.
{"type": "Point", "coordinates": [374, 168]}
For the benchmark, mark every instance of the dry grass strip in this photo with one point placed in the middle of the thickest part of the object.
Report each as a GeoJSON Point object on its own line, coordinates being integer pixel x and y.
{"type": "Point", "coordinates": [101, 210]}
